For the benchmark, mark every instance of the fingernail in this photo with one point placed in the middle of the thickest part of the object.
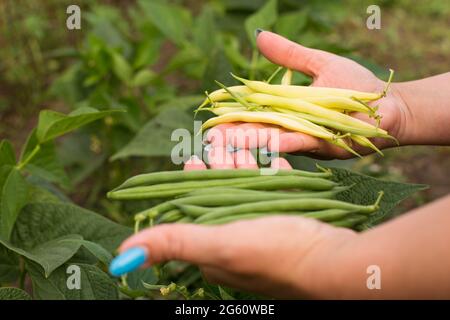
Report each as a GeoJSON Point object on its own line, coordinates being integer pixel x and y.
{"type": "Point", "coordinates": [258, 31]}
{"type": "Point", "coordinates": [128, 261]}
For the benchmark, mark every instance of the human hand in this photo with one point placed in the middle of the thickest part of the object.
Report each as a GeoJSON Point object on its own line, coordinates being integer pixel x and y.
{"type": "Point", "coordinates": [296, 260]}
{"type": "Point", "coordinates": [291, 263]}
{"type": "Point", "coordinates": [327, 70]}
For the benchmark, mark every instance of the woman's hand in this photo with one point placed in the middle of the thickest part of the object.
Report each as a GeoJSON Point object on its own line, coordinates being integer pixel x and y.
{"type": "Point", "coordinates": [327, 70]}
{"type": "Point", "coordinates": [284, 257]}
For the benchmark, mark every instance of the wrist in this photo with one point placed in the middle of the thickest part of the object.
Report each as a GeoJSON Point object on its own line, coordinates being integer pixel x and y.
{"type": "Point", "coordinates": [404, 125]}
{"type": "Point", "coordinates": [321, 273]}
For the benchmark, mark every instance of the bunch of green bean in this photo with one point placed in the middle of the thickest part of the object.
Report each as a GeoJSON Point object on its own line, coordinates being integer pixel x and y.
{"type": "Point", "coordinates": [317, 111]}
{"type": "Point", "coordinates": [222, 196]}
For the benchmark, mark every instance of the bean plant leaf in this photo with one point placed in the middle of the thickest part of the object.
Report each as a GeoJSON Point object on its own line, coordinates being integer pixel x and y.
{"type": "Point", "coordinates": [290, 24]}
{"type": "Point", "coordinates": [204, 31]}
{"type": "Point", "coordinates": [9, 265]}
{"type": "Point", "coordinates": [53, 124]}
{"type": "Point", "coordinates": [365, 191]}
{"type": "Point", "coordinates": [172, 20]}
{"type": "Point", "coordinates": [13, 197]}
{"type": "Point", "coordinates": [121, 67]}
{"type": "Point", "coordinates": [45, 221]}
{"type": "Point", "coordinates": [224, 295]}
{"type": "Point", "coordinates": [217, 69]}
{"type": "Point", "coordinates": [93, 284]}
{"type": "Point", "coordinates": [143, 78]}
{"type": "Point", "coordinates": [264, 18]}
{"type": "Point", "coordinates": [9, 293]}
{"type": "Point", "coordinates": [153, 140]}
{"type": "Point", "coordinates": [136, 278]}
{"type": "Point", "coordinates": [45, 164]}
{"type": "Point", "coordinates": [98, 251]}
{"type": "Point", "coordinates": [49, 255]}
{"type": "Point", "coordinates": [7, 155]}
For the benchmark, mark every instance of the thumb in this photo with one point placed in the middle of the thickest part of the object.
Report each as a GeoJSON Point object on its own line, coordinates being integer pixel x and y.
{"type": "Point", "coordinates": [186, 242]}
{"type": "Point", "coordinates": [291, 55]}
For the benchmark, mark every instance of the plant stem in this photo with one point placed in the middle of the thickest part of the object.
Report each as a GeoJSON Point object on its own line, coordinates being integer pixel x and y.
{"type": "Point", "coordinates": [23, 273]}
{"type": "Point", "coordinates": [22, 164]}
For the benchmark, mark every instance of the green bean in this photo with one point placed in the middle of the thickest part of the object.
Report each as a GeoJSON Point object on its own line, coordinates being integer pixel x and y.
{"type": "Point", "coordinates": [239, 217]}
{"type": "Point", "coordinates": [226, 199]}
{"type": "Point", "coordinates": [289, 204]}
{"type": "Point", "coordinates": [328, 214]}
{"type": "Point", "coordinates": [193, 211]}
{"type": "Point", "coordinates": [310, 108]}
{"type": "Point", "coordinates": [283, 194]}
{"type": "Point", "coordinates": [185, 220]}
{"type": "Point", "coordinates": [333, 124]}
{"type": "Point", "coordinates": [350, 221]}
{"type": "Point", "coordinates": [171, 216]}
{"type": "Point", "coordinates": [305, 91]}
{"type": "Point", "coordinates": [180, 175]}
{"type": "Point", "coordinates": [363, 141]}
{"type": "Point", "coordinates": [261, 183]}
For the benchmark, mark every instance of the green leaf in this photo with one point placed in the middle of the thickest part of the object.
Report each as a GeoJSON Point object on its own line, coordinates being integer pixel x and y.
{"type": "Point", "coordinates": [365, 191]}
{"type": "Point", "coordinates": [143, 78]}
{"type": "Point", "coordinates": [204, 31]}
{"type": "Point", "coordinates": [13, 294]}
{"type": "Point", "coordinates": [4, 173]}
{"type": "Point", "coordinates": [232, 50]}
{"type": "Point", "coordinates": [49, 255]}
{"type": "Point", "coordinates": [7, 155]}
{"type": "Point", "coordinates": [224, 294]}
{"type": "Point", "coordinates": [264, 18]}
{"type": "Point", "coordinates": [45, 163]}
{"type": "Point", "coordinates": [289, 25]}
{"type": "Point", "coordinates": [94, 284]}
{"type": "Point", "coordinates": [9, 265]}
{"type": "Point", "coordinates": [136, 278]}
{"type": "Point", "coordinates": [42, 222]}
{"type": "Point", "coordinates": [98, 251]}
{"type": "Point", "coordinates": [13, 197]}
{"type": "Point", "coordinates": [147, 52]}
{"type": "Point", "coordinates": [172, 20]}
{"type": "Point", "coordinates": [54, 124]}
{"type": "Point", "coordinates": [218, 69]}
{"type": "Point", "coordinates": [121, 67]}
{"type": "Point", "coordinates": [187, 55]}
{"type": "Point", "coordinates": [172, 116]}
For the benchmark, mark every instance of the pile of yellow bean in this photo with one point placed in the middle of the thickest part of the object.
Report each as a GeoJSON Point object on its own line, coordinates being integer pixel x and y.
{"type": "Point", "coordinates": [317, 111]}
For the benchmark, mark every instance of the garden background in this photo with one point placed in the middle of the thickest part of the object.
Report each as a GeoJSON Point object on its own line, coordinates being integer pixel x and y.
{"type": "Point", "coordinates": [154, 59]}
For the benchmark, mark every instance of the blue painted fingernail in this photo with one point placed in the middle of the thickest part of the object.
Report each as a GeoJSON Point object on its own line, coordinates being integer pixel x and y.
{"type": "Point", "coordinates": [258, 31]}
{"type": "Point", "coordinates": [128, 261]}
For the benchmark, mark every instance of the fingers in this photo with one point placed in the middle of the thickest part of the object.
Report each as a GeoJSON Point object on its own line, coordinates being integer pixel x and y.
{"type": "Point", "coordinates": [280, 163]}
{"type": "Point", "coordinates": [291, 55]}
{"type": "Point", "coordinates": [220, 158]}
{"type": "Point", "coordinates": [243, 159]}
{"type": "Point", "coordinates": [248, 135]}
{"type": "Point", "coordinates": [292, 142]}
{"type": "Point", "coordinates": [217, 136]}
{"type": "Point", "coordinates": [186, 242]}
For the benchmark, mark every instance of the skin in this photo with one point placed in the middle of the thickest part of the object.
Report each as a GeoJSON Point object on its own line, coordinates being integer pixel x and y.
{"type": "Point", "coordinates": [295, 257]}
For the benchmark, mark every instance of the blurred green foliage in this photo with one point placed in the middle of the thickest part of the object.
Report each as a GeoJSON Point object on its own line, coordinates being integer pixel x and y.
{"type": "Point", "coordinates": [154, 59]}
